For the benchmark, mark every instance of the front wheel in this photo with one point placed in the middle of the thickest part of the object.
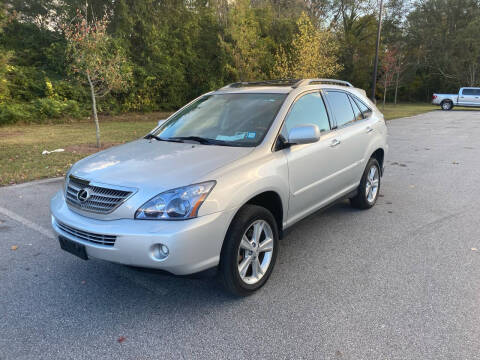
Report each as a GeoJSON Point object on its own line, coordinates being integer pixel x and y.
{"type": "Point", "coordinates": [249, 251]}
{"type": "Point", "coordinates": [369, 186]}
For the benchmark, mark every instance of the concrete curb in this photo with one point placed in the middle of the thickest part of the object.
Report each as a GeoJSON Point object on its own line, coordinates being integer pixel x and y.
{"type": "Point", "coordinates": [35, 182]}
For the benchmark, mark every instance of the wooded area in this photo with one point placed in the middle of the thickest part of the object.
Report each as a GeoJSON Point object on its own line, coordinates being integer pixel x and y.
{"type": "Point", "coordinates": [158, 54]}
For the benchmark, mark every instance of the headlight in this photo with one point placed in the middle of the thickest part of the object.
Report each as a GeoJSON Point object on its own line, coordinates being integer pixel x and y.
{"type": "Point", "coordinates": [177, 204]}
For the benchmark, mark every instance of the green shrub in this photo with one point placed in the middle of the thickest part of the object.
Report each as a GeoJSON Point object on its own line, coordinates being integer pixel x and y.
{"type": "Point", "coordinates": [46, 108]}
{"type": "Point", "coordinates": [12, 113]}
{"type": "Point", "coordinates": [39, 110]}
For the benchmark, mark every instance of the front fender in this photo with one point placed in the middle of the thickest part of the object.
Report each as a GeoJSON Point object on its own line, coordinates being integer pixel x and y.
{"type": "Point", "coordinates": [241, 181]}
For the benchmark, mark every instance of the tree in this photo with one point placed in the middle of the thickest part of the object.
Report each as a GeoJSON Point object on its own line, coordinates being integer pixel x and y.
{"type": "Point", "coordinates": [355, 23]}
{"type": "Point", "coordinates": [95, 56]}
{"type": "Point", "coordinates": [313, 53]}
{"type": "Point", "coordinates": [4, 58]}
{"type": "Point", "coordinates": [244, 42]}
{"type": "Point", "coordinates": [389, 62]}
{"type": "Point", "coordinates": [442, 37]}
{"type": "Point", "coordinates": [399, 67]}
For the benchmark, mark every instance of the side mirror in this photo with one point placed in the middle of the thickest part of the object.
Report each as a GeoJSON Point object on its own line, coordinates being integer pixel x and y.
{"type": "Point", "coordinates": [303, 134]}
{"type": "Point", "coordinates": [160, 122]}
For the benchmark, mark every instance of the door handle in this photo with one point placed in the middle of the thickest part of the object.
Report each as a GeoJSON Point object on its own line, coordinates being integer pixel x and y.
{"type": "Point", "coordinates": [334, 143]}
{"type": "Point", "coordinates": [370, 129]}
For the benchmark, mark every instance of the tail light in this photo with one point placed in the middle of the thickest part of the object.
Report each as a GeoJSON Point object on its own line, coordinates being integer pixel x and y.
{"type": "Point", "coordinates": [434, 97]}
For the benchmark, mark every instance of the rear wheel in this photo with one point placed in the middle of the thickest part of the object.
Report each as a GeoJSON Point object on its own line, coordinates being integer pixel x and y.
{"type": "Point", "coordinates": [446, 105]}
{"type": "Point", "coordinates": [369, 186]}
{"type": "Point", "coordinates": [249, 251]}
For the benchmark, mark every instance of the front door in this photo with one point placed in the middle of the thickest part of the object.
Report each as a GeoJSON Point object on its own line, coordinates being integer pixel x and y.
{"type": "Point", "coordinates": [312, 167]}
{"type": "Point", "coordinates": [466, 97]}
{"type": "Point", "coordinates": [476, 97]}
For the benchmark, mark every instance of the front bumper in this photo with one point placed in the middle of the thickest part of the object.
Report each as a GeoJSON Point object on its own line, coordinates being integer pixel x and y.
{"type": "Point", "coordinates": [194, 245]}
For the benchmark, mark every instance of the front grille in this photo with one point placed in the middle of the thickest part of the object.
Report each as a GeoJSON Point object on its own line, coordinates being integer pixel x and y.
{"type": "Point", "coordinates": [102, 239]}
{"type": "Point", "coordinates": [98, 199]}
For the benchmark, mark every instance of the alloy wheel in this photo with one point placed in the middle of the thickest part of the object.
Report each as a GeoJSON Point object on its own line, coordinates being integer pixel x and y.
{"type": "Point", "coordinates": [255, 252]}
{"type": "Point", "coordinates": [371, 185]}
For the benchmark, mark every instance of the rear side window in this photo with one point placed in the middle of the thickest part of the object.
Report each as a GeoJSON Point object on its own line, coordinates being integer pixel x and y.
{"type": "Point", "coordinates": [477, 92]}
{"type": "Point", "coordinates": [341, 107]}
{"type": "Point", "coordinates": [309, 109]}
{"type": "Point", "coordinates": [468, 92]}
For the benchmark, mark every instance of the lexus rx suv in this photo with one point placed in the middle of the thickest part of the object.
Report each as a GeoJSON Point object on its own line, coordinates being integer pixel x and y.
{"type": "Point", "coordinates": [218, 182]}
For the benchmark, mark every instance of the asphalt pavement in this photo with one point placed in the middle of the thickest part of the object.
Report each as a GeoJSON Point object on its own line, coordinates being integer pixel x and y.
{"type": "Point", "coordinates": [399, 281]}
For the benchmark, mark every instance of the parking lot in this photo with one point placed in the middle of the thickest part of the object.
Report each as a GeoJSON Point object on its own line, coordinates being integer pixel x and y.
{"type": "Point", "coordinates": [399, 281]}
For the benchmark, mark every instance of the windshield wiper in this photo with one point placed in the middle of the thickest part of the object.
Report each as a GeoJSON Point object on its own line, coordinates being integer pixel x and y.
{"type": "Point", "coordinates": [152, 136]}
{"type": "Point", "coordinates": [201, 140]}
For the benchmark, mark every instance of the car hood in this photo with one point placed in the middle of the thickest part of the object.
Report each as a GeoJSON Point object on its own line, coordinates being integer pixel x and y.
{"type": "Point", "coordinates": [153, 166]}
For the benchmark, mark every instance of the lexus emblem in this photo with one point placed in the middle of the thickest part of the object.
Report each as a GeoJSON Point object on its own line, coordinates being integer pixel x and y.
{"type": "Point", "coordinates": [83, 195]}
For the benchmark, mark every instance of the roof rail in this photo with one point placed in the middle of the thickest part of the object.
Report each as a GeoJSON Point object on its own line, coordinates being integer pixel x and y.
{"type": "Point", "coordinates": [305, 82]}
{"type": "Point", "coordinates": [294, 83]}
{"type": "Point", "coordinates": [280, 82]}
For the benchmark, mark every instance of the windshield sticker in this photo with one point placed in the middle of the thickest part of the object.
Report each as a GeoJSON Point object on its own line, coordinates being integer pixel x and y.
{"type": "Point", "coordinates": [237, 136]}
{"type": "Point", "coordinates": [251, 135]}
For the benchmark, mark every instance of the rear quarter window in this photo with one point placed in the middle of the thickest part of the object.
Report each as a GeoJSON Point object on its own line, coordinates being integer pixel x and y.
{"type": "Point", "coordinates": [356, 109]}
{"type": "Point", "coordinates": [366, 111]}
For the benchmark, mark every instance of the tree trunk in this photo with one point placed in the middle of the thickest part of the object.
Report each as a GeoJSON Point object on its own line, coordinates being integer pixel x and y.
{"type": "Point", "coordinates": [384, 95]}
{"type": "Point", "coordinates": [396, 86]}
{"type": "Point", "coordinates": [94, 110]}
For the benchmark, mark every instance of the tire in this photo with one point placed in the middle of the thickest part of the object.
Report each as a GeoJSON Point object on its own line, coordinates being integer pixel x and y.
{"type": "Point", "coordinates": [367, 193]}
{"type": "Point", "coordinates": [446, 105]}
{"type": "Point", "coordinates": [234, 251]}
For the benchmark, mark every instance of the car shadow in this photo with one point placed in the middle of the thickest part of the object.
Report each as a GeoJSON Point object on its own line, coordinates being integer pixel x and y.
{"type": "Point", "coordinates": [459, 109]}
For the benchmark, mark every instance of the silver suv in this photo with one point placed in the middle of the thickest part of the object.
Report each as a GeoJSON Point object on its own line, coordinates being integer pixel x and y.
{"type": "Point", "coordinates": [217, 183]}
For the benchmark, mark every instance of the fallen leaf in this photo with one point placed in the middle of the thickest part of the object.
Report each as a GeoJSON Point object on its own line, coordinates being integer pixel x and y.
{"type": "Point", "coordinates": [121, 339]}
{"type": "Point", "coordinates": [455, 163]}
{"type": "Point", "coordinates": [14, 247]}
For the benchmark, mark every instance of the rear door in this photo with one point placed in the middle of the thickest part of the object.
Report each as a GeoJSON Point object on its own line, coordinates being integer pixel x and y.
{"type": "Point", "coordinates": [353, 133]}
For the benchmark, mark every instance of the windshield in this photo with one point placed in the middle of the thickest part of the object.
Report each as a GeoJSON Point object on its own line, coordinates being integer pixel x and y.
{"type": "Point", "coordinates": [226, 119]}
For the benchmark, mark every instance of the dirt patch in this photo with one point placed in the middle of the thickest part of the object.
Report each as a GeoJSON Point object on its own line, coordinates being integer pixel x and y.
{"type": "Point", "coordinates": [88, 148]}
{"type": "Point", "coordinates": [11, 134]}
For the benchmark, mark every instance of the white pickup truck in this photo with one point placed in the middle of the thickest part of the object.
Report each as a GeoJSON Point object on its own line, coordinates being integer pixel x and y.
{"type": "Point", "coordinates": [467, 96]}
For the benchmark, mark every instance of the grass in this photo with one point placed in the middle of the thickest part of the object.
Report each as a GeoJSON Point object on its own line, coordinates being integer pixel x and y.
{"type": "Point", "coordinates": [21, 146]}
{"type": "Point", "coordinates": [393, 111]}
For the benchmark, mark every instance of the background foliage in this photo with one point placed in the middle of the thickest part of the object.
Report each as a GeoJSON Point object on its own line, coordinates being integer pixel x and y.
{"type": "Point", "coordinates": [178, 49]}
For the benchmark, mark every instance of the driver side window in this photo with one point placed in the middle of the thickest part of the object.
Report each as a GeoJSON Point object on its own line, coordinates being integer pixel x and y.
{"type": "Point", "coordinates": [308, 110]}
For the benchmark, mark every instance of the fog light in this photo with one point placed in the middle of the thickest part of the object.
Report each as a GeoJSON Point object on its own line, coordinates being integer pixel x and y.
{"type": "Point", "coordinates": [159, 252]}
